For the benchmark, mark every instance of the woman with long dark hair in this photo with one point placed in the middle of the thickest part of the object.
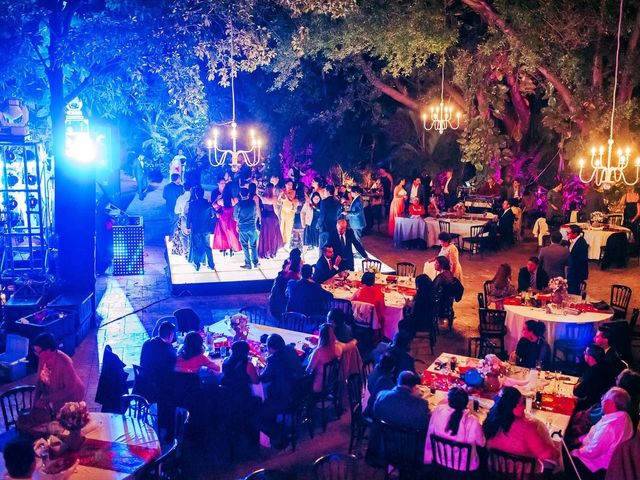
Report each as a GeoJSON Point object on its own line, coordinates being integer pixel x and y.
{"type": "Point", "coordinates": [501, 286]}
{"type": "Point", "coordinates": [532, 347]}
{"type": "Point", "coordinates": [238, 371]}
{"type": "Point", "coordinates": [508, 429]}
{"type": "Point", "coordinates": [454, 421]}
{"type": "Point", "coordinates": [191, 356]}
{"type": "Point", "coordinates": [325, 352]}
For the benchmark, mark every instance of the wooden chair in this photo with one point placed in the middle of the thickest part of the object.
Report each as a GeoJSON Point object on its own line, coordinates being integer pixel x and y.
{"type": "Point", "coordinates": [615, 219]}
{"type": "Point", "coordinates": [331, 391]}
{"type": "Point", "coordinates": [369, 264]}
{"type": "Point", "coordinates": [256, 314]}
{"type": "Point", "coordinates": [403, 449]}
{"type": "Point", "coordinates": [505, 466]}
{"type": "Point", "coordinates": [445, 226]}
{"type": "Point", "coordinates": [474, 239]}
{"type": "Point", "coordinates": [264, 474]}
{"type": "Point", "coordinates": [358, 424]}
{"type": "Point", "coordinates": [485, 289]}
{"type": "Point", "coordinates": [336, 466]}
{"type": "Point", "coordinates": [450, 459]}
{"type": "Point", "coordinates": [367, 368]}
{"type": "Point", "coordinates": [343, 305]}
{"type": "Point", "coordinates": [294, 321]}
{"type": "Point", "coordinates": [620, 298]}
{"type": "Point", "coordinates": [15, 403]}
{"type": "Point", "coordinates": [406, 269]}
{"type": "Point", "coordinates": [135, 406]}
{"type": "Point", "coordinates": [571, 346]}
{"type": "Point", "coordinates": [187, 320]}
{"type": "Point", "coordinates": [478, 347]}
{"type": "Point", "coordinates": [492, 327]}
{"type": "Point", "coordinates": [157, 469]}
{"type": "Point", "coordinates": [482, 303]}
{"type": "Point", "coordinates": [300, 410]}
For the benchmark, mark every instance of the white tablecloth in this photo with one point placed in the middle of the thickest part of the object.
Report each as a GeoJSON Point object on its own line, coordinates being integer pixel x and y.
{"type": "Point", "coordinates": [556, 325]}
{"type": "Point", "coordinates": [409, 229]}
{"type": "Point", "coordinates": [596, 238]}
{"type": "Point", "coordinates": [461, 226]}
{"type": "Point", "coordinates": [394, 301]}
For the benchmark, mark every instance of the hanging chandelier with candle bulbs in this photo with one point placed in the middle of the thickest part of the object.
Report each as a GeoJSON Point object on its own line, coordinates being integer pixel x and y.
{"type": "Point", "coordinates": [233, 156]}
{"type": "Point", "coordinates": [440, 118]}
{"type": "Point", "coordinates": [604, 172]}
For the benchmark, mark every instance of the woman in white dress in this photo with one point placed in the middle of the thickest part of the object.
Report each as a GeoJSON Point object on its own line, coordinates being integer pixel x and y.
{"type": "Point", "coordinates": [449, 250]}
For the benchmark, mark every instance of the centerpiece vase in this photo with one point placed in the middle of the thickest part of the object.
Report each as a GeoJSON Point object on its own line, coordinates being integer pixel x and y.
{"type": "Point", "coordinates": [74, 440]}
{"type": "Point", "coordinates": [492, 382]}
{"type": "Point", "coordinates": [557, 297]}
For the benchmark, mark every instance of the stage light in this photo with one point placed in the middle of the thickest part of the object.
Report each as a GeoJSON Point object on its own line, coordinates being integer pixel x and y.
{"type": "Point", "coordinates": [32, 202]}
{"type": "Point", "coordinates": [12, 179]}
{"type": "Point", "coordinates": [11, 203]}
{"type": "Point", "coordinates": [31, 179]}
{"type": "Point", "coordinates": [80, 147]}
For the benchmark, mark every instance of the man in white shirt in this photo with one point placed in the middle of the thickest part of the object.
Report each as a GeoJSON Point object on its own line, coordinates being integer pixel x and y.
{"type": "Point", "coordinates": [176, 165]}
{"type": "Point", "coordinates": [593, 457]}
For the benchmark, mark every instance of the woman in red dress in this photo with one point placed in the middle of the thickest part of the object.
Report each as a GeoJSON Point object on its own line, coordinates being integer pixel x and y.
{"type": "Point", "coordinates": [225, 236]}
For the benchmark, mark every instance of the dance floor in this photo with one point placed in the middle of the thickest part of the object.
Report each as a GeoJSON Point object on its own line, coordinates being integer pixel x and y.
{"type": "Point", "coordinates": [228, 276]}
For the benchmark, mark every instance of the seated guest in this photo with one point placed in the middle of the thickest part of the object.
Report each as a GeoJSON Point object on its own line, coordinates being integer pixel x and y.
{"type": "Point", "coordinates": [625, 461]}
{"type": "Point", "coordinates": [192, 356]}
{"type": "Point", "coordinates": [444, 287]}
{"type": "Point", "coordinates": [454, 421]}
{"type": "Point", "coordinates": [593, 456]}
{"type": "Point", "coordinates": [344, 241]}
{"type": "Point", "coordinates": [278, 295]}
{"type": "Point", "coordinates": [238, 372]}
{"type": "Point", "coordinates": [19, 459]}
{"type": "Point", "coordinates": [416, 210]}
{"type": "Point", "coordinates": [326, 266]}
{"type": "Point", "coordinates": [295, 265]}
{"type": "Point", "coordinates": [532, 347]}
{"type": "Point", "coordinates": [381, 378]}
{"type": "Point", "coordinates": [420, 315]}
{"type": "Point", "coordinates": [554, 258]}
{"type": "Point", "coordinates": [371, 293]}
{"type": "Point", "coordinates": [500, 287]}
{"type": "Point", "coordinates": [505, 224]}
{"type": "Point", "coordinates": [402, 406]}
{"type": "Point", "coordinates": [490, 188]}
{"type": "Point", "coordinates": [509, 429]}
{"type": "Point", "coordinates": [326, 352]}
{"type": "Point", "coordinates": [432, 208]}
{"type": "Point", "coordinates": [596, 379]}
{"type": "Point", "coordinates": [336, 317]}
{"type": "Point", "coordinates": [603, 339]}
{"type": "Point", "coordinates": [532, 276]}
{"type": "Point", "coordinates": [305, 295]}
{"type": "Point", "coordinates": [399, 350]}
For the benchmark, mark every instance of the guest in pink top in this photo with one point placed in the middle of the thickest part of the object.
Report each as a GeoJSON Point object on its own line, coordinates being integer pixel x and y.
{"type": "Point", "coordinates": [371, 293]}
{"type": "Point", "coordinates": [324, 353]}
{"type": "Point", "coordinates": [191, 356]}
{"type": "Point", "coordinates": [508, 429]}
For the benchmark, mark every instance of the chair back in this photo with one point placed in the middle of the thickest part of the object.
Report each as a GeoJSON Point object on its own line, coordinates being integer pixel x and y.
{"type": "Point", "coordinates": [615, 219]}
{"type": "Point", "coordinates": [403, 447]}
{"type": "Point", "coordinates": [492, 322]}
{"type": "Point", "coordinates": [485, 289]}
{"type": "Point", "coordinates": [354, 386]}
{"type": "Point", "coordinates": [331, 378]}
{"type": "Point", "coordinates": [406, 269]}
{"type": "Point", "coordinates": [264, 474]}
{"type": "Point", "coordinates": [336, 466]}
{"type": "Point", "coordinates": [364, 314]}
{"type": "Point", "coordinates": [505, 466]}
{"type": "Point", "coordinates": [476, 231]}
{"type": "Point", "coordinates": [367, 368]}
{"type": "Point", "coordinates": [15, 403]}
{"type": "Point", "coordinates": [256, 314]}
{"type": "Point", "coordinates": [633, 321]}
{"type": "Point", "coordinates": [294, 321]}
{"type": "Point", "coordinates": [481, 301]}
{"type": "Point", "coordinates": [369, 264]}
{"type": "Point", "coordinates": [620, 298]}
{"type": "Point", "coordinates": [343, 305]}
{"type": "Point", "coordinates": [135, 406]}
{"type": "Point", "coordinates": [451, 455]}
{"type": "Point", "coordinates": [445, 226]}
{"type": "Point", "coordinates": [153, 470]}
{"type": "Point", "coordinates": [187, 319]}
{"type": "Point", "coordinates": [180, 426]}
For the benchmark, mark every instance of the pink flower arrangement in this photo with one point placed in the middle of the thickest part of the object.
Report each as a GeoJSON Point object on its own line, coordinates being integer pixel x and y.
{"type": "Point", "coordinates": [73, 415]}
{"type": "Point", "coordinates": [558, 284]}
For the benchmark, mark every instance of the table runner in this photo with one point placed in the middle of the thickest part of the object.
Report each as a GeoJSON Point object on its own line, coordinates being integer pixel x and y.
{"type": "Point", "coordinates": [118, 457]}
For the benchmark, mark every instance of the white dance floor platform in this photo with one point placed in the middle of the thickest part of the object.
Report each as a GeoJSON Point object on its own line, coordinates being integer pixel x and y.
{"type": "Point", "coordinates": [229, 277]}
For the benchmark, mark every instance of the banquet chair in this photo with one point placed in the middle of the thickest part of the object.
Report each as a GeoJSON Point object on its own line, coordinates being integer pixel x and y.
{"type": "Point", "coordinates": [403, 449]}
{"type": "Point", "coordinates": [343, 305]}
{"type": "Point", "coordinates": [159, 469]}
{"type": "Point", "coordinates": [571, 346]}
{"type": "Point", "coordinates": [181, 420]}
{"type": "Point", "coordinates": [373, 265]}
{"type": "Point", "coordinates": [264, 474]}
{"type": "Point", "coordinates": [15, 403]}
{"type": "Point", "coordinates": [620, 298]}
{"type": "Point", "coordinates": [406, 269]}
{"type": "Point", "coordinates": [358, 422]}
{"type": "Point", "coordinates": [331, 391]}
{"type": "Point", "coordinates": [492, 327]}
{"type": "Point", "coordinates": [187, 319]}
{"type": "Point", "coordinates": [479, 348]}
{"type": "Point", "coordinates": [485, 289]}
{"type": "Point", "coordinates": [615, 219]}
{"type": "Point", "coordinates": [482, 303]}
{"type": "Point", "coordinates": [135, 406]}
{"type": "Point", "coordinates": [336, 466]}
{"type": "Point", "coordinates": [367, 368]}
{"type": "Point", "coordinates": [256, 314]}
{"type": "Point", "coordinates": [451, 459]}
{"type": "Point", "coordinates": [294, 321]}
{"type": "Point", "coordinates": [505, 466]}
{"type": "Point", "coordinates": [445, 226]}
{"type": "Point", "coordinates": [475, 239]}
{"type": "Point", "coordinates": [300, 411]}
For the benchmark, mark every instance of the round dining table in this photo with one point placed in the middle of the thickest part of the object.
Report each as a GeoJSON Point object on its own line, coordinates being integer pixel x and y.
{"type": "Point", "coordinates": [115, 447]}
{"type": "Point", "coordinates": [596, 237]}
{"type": "Point", "coordinates": [556, 324]}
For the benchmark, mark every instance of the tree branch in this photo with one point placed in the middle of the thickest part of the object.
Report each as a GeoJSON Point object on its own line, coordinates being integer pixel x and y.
{"type": "Point", "coordinates": [68, 12]}
{"type": "Point", "coordinates": [40, 57]}
{"type": "Point", "coordinates": [522, 110]}
{"type": "Point", "coordinates": [95, 72]}
{"type": "Point", "coordinates": [629, 65]}
{"type": "Point", "coordinates": [384, 88]}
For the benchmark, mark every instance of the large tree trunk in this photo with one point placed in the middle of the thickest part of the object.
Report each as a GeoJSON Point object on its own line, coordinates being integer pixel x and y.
{"type": "Point", "coordinates": [629, 66]}
{"type": "Point", "coordinates": [392, 92]}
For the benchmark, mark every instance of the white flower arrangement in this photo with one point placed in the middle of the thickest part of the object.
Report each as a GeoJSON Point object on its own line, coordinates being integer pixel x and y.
{"type": "Point", "coordinates": [558, 284]}
{"type": "Point", "coordinates": [597, 217]}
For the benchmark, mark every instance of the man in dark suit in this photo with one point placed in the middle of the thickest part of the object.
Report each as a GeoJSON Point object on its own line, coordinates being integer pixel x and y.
{"type": "Point", "coordinates": [596, 379]}
{"type": "Point", "coordinates": [343, 241]}
{"type": "Point", "coordinates": [578, 268]}
{"type": "Point", "coordinates": [305, 295]}
{"type": "Point", "coordinates": [603, 339]}
{"type": "Point", "coordinates": [330, 210]}
{"type": "Point", "coordinates": [170, 193]}
{"type": "Point", "coordinates": [417, 190]}
{"type": "Point", "coordinates": [157, 360]}
{"type": "Point", "coordinates": [199, 221]}
{"type": "Point", "coordinates": [505, 224]}
{"type": "Point", "coordinates": [532, 276]}
{"type": "Point", "coordinates": [450, 190]}
{"type": "Point", "coordinates": [326, 266]}
{"type": "Point", "coordinates": [402, 406]}
{"type": "Point", "coordinates": [355, 214]}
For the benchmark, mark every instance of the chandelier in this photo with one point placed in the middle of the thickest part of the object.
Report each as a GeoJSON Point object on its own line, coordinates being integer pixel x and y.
{"type": "Point", "coordinates": [235, 157]}
{"type": "Point", "coordinates": [441, 116]}
{"type": "Point", "coordinates": [604, 172]}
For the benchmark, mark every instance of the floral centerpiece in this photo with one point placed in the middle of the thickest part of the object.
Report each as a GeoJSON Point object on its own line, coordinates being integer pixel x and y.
{"type": "Point", "coordinates": [239, 323]}
{"type": "Point", "coordinates": [73, 416]}
{"type": "Point", "coordinates": [597, 218]}
{"type": "Point", "coordinates": [491, 367]}
{"type": "Point", "coordinates": [558, 287]}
